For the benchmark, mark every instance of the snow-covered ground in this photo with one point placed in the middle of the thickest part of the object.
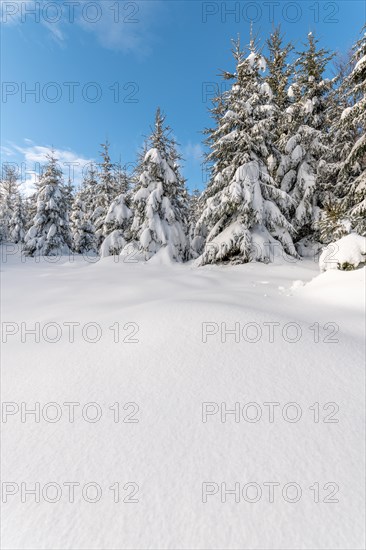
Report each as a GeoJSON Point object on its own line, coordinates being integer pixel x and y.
{"type": "Point", "coordinates": [171, 370]}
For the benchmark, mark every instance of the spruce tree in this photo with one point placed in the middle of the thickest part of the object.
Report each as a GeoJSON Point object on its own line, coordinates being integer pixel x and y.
{"type": "Point", "coordinates": [87, 192]}
{"type": "Point", "coordinates": [17, 224]}
{"type": "Point", "coordinates": [106, 191]}
{"type": "Point", "coordinates": [245, 217]}
{"type": "Point", "coordinates": [8, 195]}
{"type": "Point", "coordinates": [83, 231]}
{"type": "Point", "coordinates": [196, 242]}
{"type": "Point", "coordinates": [69, 192]}
{"type": "Point", "coordinates": [117, 226]}
{"type": "Point", "coordinates": [305, 142]}
{"type": "Point", "coordinates": [356, 160]}
{"type": "Point", "coordinates": [50, 233]}
{"type": "Point", "coordinates": [159, 199]}
{"type": "Point", "coordinates": [345, 169]}
{"type": "Point", "coordinates": [279, 72]}
{"type": "Point", "coordinates": [122, 180]}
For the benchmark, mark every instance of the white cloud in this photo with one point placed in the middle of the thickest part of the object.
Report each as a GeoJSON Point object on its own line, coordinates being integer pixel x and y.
{"type": "Point", "coordinates": [193, 152]}
{"type": "Point", "coordinates": [120, 26]}
{"type": "Point", "coordinates": [30, 158]}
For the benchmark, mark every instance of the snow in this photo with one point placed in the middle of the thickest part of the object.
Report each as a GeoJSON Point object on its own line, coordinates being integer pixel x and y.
{"type": "Point", "coordinates": [290, 91]}
{"type": "Point", "coordinates": [52, 231]}
{"type": "Point", "coordinates": [145, 238]}
{"type": "Point", "coordinates": [359, 64]}
{"type": "Point", "coordinates": [230, 115]}
{"type": "Point", "coordinates": [291, 143]}
{"type": "Point", "coordinates": [252, 58]}
{"type": "Point", "coordinates": [262, 65]}
{"type": "Point", "coordinates": [348, 286]}
{"type": "Point", "coordinates": [308, 106]}
{"type": "Point", "coordinates": [350, 249]}
{"type": "Point", "coordinates": [118, 211]}
{"type": "Point", "coordinates": [113, 243]}
{"type": "Point", "coordinates": [169, 373]}
{"type": "Point", "coordinates": [345, 112]}
{"type": "Point", "coordinates": [297, 154]}
{"type": "Point", "coordinates": [266, 89]}
{"type": "Point", "coordinates": [154, 156]}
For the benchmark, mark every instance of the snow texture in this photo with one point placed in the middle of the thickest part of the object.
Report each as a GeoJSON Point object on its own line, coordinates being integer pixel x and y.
{"type": "Point", "coordinates": [169, 373]}
{"type": "Point", "coordinates": [347, 251]}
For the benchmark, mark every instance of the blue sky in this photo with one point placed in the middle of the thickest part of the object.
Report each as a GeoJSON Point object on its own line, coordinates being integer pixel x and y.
{"type": "Point", "coordinates": [121, 59]}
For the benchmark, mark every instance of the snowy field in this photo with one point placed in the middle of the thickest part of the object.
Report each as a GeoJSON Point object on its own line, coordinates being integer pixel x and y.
{"type": "Point", "coordinates": [291, 457]}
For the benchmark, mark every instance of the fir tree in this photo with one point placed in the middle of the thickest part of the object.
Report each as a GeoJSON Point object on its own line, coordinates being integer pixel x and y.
{"type": "Point", "coordinates": [122, 180]}
{"type": "Point", "coordinates": [117, 227]}
{"type": "Point", "coordinates": [196, 242]}
{"type": "Point", "coordinates": [8, 195]}
{"type": "Point", "coordinates": [83, 231]}
{"type": "Point", "coordinates": [17, 224]}
{"type": "Point", "coordinates": [305, 142]}
{"type": "Point", "coordinates": [334, 223]}
{"type": "Point", "coordinates": [88, 190]}
{"type": "Point", "coordinates": [69, 192]}
{"type": "Point", "coordinates": [244, 216]}
{"type": "Point", "coordinates": [279, 72]}
{"type": "Point", "coordinates": [345, 169]}
{"type": "Point", "coordinates": [50, 233]}
{"type": "Point", "coordinates": [106, 191]}
{"type": "Point", "coordinates": [159, 199]}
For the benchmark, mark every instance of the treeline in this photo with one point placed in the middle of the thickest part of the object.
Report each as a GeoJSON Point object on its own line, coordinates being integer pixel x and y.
{"type": "Point", "coordinates": [287, 158]}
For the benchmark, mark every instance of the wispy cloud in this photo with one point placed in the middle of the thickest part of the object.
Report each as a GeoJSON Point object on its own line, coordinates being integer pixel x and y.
{"type": "Point", "coordinates": [123, 26]}
{"type": "Point", "coordinates": [30, 158]}
{"type": "Point", "coordinates": [119, 26]}
{"type": "Point", "coordinates": [193, 152]}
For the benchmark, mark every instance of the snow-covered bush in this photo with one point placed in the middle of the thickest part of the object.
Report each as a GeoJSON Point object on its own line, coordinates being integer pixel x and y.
{"type": "Point", "coordinates": [347, 253]}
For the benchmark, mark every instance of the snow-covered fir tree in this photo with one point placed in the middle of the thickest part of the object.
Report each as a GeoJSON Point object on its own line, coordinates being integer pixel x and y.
{"type": "Point", "coordinates": [345, 170]}
{"type": "Point", "coordinates": [245, 216]}
{"type": "Point", "coordinates": [196, 242]}
{"type": "Point", "coordinates": [50, 233]}
{"type": "Point", "coordinates": [305, 142]}
{"type": "Point", "coordinates": [117, 226]}
{"type": "Point", "coordinates": [18, 220]}
{"type": "Point", "coordinates": [279, 72]}
{"type": "Point", "coordinates": [87, 192]}
{"type": "Point", "coordinates": [31, 203]}
{"type": "Point", "coordinates": [83, 231]}
{"type": "Point", "coordinates": [159, 199]}
{"type": "Point", "coordinates": [106, 191]}
{"type": "Point", "coordinates": [122, 179]}
{"type": "Point", "coordinates": [182, 200]}
{"type": "Point", "coordinates": [69, 191]}
{"type": "Point", "coordinates": [333, 223]}
{"type": "Point", "coordinates": [8, 196]}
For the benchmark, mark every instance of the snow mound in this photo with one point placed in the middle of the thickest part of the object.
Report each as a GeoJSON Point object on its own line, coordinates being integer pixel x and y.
{"type": "Point", "coordinates": [297, 284]}
{"type": "Point", "coordinates": [164, 257]}
{"type": "Point", "coordinates": [346, 253]}
{"type": "Point", "coordinates": [337, 288]}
